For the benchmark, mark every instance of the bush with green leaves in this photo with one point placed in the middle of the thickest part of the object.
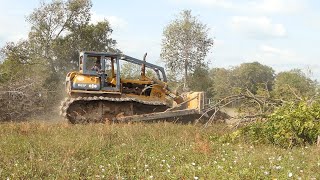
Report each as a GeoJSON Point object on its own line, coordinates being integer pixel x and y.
{"type": "Point", "coordinates": [290, 125]}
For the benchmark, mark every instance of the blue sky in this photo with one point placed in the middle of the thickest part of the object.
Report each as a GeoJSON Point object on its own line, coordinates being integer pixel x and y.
{"type": "Point", "coordinates": [283, 34]}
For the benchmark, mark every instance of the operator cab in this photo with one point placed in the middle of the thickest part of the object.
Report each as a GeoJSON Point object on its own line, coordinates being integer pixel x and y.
{"type": "Point", "coordinates": [103, 67]}
{"type": "Point", "coordinates": [99, 72]}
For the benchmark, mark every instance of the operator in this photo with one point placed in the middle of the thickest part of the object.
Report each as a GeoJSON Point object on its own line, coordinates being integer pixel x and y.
{"type": "Point", "coordinates": [96, 66]}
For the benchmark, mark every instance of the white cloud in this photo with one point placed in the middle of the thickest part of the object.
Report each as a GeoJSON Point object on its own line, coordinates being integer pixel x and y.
{"type": "Point", "coordinates": [275, 56]}
{"type": "Point", "coordinates": [272, 51]}
{"type": "Point", "coordinates": [253, 6]}
{"type": "Point", "coordinates": [257, 27]}
{"type": "Point", "coordinates": [115, 22]}
{"type": "Point", "coordinates": [215, 3]}
{"type": "Point", "coordinates": [277, 6]}
{"type": "Point", "coordinates": [284, 59]}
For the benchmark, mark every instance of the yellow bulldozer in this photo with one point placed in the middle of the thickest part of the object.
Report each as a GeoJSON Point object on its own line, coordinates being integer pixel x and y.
{"type": "Point", "coordinates": [97, 93]}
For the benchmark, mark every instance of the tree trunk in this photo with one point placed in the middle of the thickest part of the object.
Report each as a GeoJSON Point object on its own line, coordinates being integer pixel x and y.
{"type": "Point", "coordinates": [185, 73]}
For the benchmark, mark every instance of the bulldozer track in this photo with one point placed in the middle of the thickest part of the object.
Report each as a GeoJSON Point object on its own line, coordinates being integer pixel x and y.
{"type": "Point", "coordinates": [67, 102]}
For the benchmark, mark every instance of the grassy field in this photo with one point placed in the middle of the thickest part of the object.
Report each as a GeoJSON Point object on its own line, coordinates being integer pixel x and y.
{"type": "Point", "coordinates": [143, 151]}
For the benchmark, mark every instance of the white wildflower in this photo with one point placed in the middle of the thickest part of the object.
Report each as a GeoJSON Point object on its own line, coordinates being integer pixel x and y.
{"type": "Point", "coordinates": [278, 167]}
{"type": "Point", "coordinates": [193, 164]}
{"type": "Point", "coordinates": [290, 174]}
{"type": "Point", "coordinates": [279, 158]}
{"type": "Point", "coordinates": [266, 173]}
{"type": "Point", "coordinates": [195, 178]}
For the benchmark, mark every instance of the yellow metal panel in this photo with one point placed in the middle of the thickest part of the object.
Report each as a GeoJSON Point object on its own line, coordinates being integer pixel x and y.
{"type": "Point", "coordinates": [158, 92]}
{"type": "Point", "coordinates": [71, 75]}
{"type": "Point", "coordinates": [80, 78]}
{"type": "Point", "coordinates": [144, 98]}
{"type": "Point", "coordinates": [196, 100]}
{"type": "Point", "coordinates": [112, 80]}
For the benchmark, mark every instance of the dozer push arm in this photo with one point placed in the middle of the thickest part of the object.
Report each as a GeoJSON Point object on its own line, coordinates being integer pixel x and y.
{"type": "Point", "coordinates": [178, 99]}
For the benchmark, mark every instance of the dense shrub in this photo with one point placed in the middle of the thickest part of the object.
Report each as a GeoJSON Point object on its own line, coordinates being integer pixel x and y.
{"type": "Point", "coordinates": [290, 125]}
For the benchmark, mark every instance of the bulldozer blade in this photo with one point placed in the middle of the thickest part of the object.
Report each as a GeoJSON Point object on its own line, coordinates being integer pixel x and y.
{"type": "Point", "coordinates": [158, 115]}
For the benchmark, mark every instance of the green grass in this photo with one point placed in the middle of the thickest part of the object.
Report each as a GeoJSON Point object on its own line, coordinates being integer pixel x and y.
{"type": "Point", "coordinates": [143, 151]}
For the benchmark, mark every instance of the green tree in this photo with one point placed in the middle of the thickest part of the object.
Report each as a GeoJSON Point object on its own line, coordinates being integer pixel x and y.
{"type": "Point", "coordinates": [60, 29]}
{"type": "Point", "coordinates": [185, 44]}
{"type": "Point", "coordinates": [87, 37]}
{"type": "Point", "coordinates": [133, 71]}
{"type": "Point", "coordinates": [51, 22]}
{"type": "Point", "coordinates": [130, 71]}
{"type": "Point", "coordinates": [200, 80]}
{"type": "Point", "coordinates": [293, 85]}
{"type": "Point", "coordinates": [19, 62]}
{"type": "Point", "coordinates": [253, 76]}
{"type": "Point", "coordinates": [222, 84]}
